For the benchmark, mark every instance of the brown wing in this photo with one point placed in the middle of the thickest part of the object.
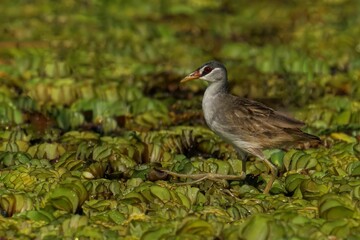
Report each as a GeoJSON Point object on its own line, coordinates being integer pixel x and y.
{"type": "Point", "coordinates": [256, 110]}
{"type": "Point", "coordinates": [254, 122]}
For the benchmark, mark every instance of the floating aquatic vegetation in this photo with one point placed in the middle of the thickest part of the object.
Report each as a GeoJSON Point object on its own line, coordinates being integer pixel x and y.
{"type": "Point", "coordinates": [12, 203]}
{"type": "Point", "coordinates": [40, 215]}
{"type": "Point", "coordinates": [70, 162]}
{"type": "Point", "coordinates": [9, 113]}
{"type": "Point", "coordinates": [193, 226]}
{"type": "Point", "coordinates": [158, 195]}
{"type": "Point", "coordinates": [50, 151]}
{"type": "Point", "coordinates": [68, 196]}
{"type": "Point", "coordinates": [8, 159]}
{"type": "Point", "coordinates": [67, 119]}
{"type": "Point", "coordinates": [92, 121]}
{"type": "Point", "coordinates": [14, 141]}
{"type": "Point", "coordinates": [333, 113]}
{"type": "Point", "coordinates": [333, 207]}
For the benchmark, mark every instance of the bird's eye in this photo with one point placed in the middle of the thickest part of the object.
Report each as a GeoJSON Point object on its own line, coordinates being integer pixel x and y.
{"type": "Point", "coordinates": [206, 70]}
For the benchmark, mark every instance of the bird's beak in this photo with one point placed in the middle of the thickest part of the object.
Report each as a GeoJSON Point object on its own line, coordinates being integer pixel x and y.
{"type": "Point", "coordinates": [192, 76]}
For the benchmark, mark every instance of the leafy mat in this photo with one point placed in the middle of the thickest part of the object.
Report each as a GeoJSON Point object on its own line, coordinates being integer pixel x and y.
{"type": "Point", "coordinates": [91, 110]}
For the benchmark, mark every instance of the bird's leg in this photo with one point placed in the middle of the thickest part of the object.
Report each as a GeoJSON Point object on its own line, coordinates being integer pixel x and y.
{"type": "Point", "coordinates": [213, 176]}
{"type": "Point", "coordinates": [243, 168]}
{"type": "Point", "coordinates": [192, 182]}
{"type": "Point", "coordinates": [202, 176]}
{"type": "Point", "coordinates": [273, 170]}
{"type": "Point", "coordinates": [244, 157]}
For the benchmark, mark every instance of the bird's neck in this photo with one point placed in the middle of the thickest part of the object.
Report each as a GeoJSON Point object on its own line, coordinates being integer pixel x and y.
{"type": "Point", "coordinates": [213, 98]}
{"type": "Point", "coordinates": [217, 87]}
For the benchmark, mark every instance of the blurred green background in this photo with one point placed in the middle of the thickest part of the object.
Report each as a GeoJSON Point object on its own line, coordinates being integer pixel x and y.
{"type": "Point", "coordinates": [91, 106]}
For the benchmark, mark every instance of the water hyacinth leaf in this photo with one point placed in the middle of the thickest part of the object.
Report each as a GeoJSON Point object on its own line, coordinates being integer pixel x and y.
{"type": "Point", "coordinates": [261, 227]}
{"type": "Point", "coordinates": [20, 180]}
{"type": "Point", "coordinates": [9, 113]}
{"type": "Point", "coordinates": [236, 165]}
{"type": "Point", "coordinates": [100, 109]}
{"type": "Point", "coordinates": [8, 159]}
{"type": "Point", "coordinates": [68, 161]}
{"type": "Point", "coordinates": [45, 174]}
{"type": "Point", "coordinates": [355, 192]}
{"type": "Point", "coordinates": [121, 163]}
{"type": "Point", "coordinates": [101, 152]}
{"type": "Point", "coordinates": [296, 159]}
{"type": "Point", "coordinates": [145, 192]}
{"type": "Point", "coordinates": [68, 196]}
{"type": "Point", "coordinates": [115, 187]}
{"type": "Point", "coordinates": [40, 215]}
{"type": "Point", "coordinates": [40, 92]}
{"type": "Point", "coordinates": [130, 93]}
{"type": "Point", "coordinates": [49, 151]}
{"type": "Point", "coordinates": [251, 229]}
{"type": "Point", "coordinates": [161, 193]}
{"type": "Point", "coordinates": [172, 210]}
{"type": "Point", "coordinates": [116, 216]}
{"type": "Point", "coordinates": [313, 189]}
{"type": "Point", "coordinates": [193, 193]}
{"type": "Point", "coordinates": [152, 119]}
{"type": "Point", "coordinates": [277, 158]}
{"type": "Point", "coordinates": [357, 147]}
{"type": "Point", "coordinates": [14, 146]}
{"type": "Point", "coordinates": [240, 211]}
{"type": "Point", "coordinates": [64, 199]}
{"type": "Point", "coordinates": [185, 201]}
{"type": "Point", "coordinates": [85, 90]}
{"type": "Point", "coordinates": [304, 162]}
{"type": "Point", "coordinates": [69, 119]}
{"type": "Point", "coordinates": [334, 207]}
{"type": "Point", "coordinates": [343, 118]}
{"type": "Point", "coordinates": [143, 105]}
{"type": "Point", "coordinates": [63, 91]}
{"type": "Point", "coordinates": [108, 92]}
{"type": "Point", "coordinates": [15, 203]}
{"type": "Point", "coordinates": [196, 227]}
{"type": "Point", "coordinates": [343, 137]}
{"type": "Point", "coordinates": [338, 227]}
{"type": "Point", "coordinates": [287, 159]}
{"type": "Point", "coordinates": [293, 181]}
{"type": "Point", "coordinates": [234, 213]}
{"type": "Point", "coordinates": [95, 170]}
{"type": "Point", "coordinates": [135, 197]}
{"type": "Point", "coordinates": [108, 124]}
{"type": "Point", "coordinates": [142, 173]}
{"type": "Point", "coordinates": [72, 224]}
{"type": "Point", "coordinates": [157, 233]}
{"type": "Point", "coordinates": [76, 137]}
{"type": "Point", "coordinates": [278, 187]}
{"type": "Point", "coordinates": [95, 205]}
{"type": "Point", "coordinates": [55, 69]}
{"type": "Point", "coordinates": [354, 169]}
{"type": "Point", "coordinates": [222, 167]}
{"type": "Point", "coordinates": [84, 150]}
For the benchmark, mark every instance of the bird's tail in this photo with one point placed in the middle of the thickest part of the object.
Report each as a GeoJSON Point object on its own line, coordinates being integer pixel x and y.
{"type": "Point", "coordinates": [303, 139]}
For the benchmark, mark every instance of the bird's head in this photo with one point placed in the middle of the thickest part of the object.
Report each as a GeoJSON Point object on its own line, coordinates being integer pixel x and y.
{"type": "Point", "coordinates": [212, 71]}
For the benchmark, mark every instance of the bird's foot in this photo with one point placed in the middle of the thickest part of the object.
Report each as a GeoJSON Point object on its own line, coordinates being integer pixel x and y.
{"type": "Point", "coordinates": [274, 173]}
{"type": "Point", "coordinates": [203, 176]}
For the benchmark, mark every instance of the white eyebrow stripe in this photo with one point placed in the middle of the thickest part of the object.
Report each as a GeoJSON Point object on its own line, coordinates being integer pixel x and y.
{"type": "Point", "coordinates": [203, 69]}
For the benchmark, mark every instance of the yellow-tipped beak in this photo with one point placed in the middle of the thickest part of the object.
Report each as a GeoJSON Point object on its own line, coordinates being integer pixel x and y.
{"type": "Point", "coordinates": [191, 76]}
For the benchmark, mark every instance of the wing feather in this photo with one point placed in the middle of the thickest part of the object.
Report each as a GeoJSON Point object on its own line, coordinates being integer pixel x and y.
{"type": "Point", "coordinates": [254, 122]}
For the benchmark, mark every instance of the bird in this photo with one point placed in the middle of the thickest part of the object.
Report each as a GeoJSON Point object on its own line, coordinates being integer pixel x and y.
{"type": "Point", "coordinates": [249, 126]}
